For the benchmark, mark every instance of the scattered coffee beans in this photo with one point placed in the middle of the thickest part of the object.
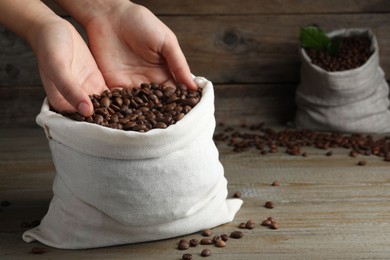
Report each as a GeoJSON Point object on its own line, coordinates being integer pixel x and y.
{"type": "Point", "coordinates": [270, 222]}
{"type": "Point", "coordinates": [265, 139]}
{"type": "Point", "coordinates": [141, 109]}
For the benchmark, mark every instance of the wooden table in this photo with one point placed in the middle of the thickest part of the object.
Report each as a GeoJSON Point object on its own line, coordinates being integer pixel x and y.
{"type": "Point", "coordinates": [327, 206]}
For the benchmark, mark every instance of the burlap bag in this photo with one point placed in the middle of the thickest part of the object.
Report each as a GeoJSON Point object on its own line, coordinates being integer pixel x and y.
{"type": "Point", "coordinates": [354, 100]}
{"type": "Point", "coordinates": [115, 187]}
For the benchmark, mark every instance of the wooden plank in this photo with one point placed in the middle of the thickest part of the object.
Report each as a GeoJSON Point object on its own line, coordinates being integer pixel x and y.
{"type": "Point", "coordinates": [20, 105]}
{"type": "Point", "coordinates": [217, 7]}
{"type": "Point", "coordinates": [221, 7]}
{"type": "Point", "coordinates": [327, 207]}
{"type": "Point", "coordinates": [225, 49]}
{"type": "Point", "coordinates": [236, 104]}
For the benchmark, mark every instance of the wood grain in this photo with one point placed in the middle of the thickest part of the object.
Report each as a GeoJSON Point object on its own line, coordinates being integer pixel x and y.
{"type": "Point", "coordinates": [222, 7]}
{"type": "Point", "coordinates": [327, 207]}
{"type": "Point", "coordinates": [225, 49]}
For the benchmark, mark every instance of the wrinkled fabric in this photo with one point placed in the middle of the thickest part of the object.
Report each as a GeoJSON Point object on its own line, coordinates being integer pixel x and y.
{"type": "Point", "coordinates": [117, 187]}
{"type": "Point", "coordinates": [352, 101]}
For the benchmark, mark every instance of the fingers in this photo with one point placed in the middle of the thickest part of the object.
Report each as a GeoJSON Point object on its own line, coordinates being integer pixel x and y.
{"type": "Point", "coordinates": [74, 93]}
{"type": "Point", "coordinates": [178, 63]}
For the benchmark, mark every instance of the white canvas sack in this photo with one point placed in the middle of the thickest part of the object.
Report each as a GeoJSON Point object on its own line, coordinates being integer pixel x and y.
{"type": "Point", "coordinates": [354, 100]}
{"type": "Point", "coordinates": [116, 187]}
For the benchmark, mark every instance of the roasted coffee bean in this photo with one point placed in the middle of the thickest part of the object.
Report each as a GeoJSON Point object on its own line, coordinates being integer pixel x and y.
{"type": "Point", "coordinates": [206, 232]}
{"type": "Point", "coordinates": [168, 91]}
{"type": "Point", "coordinates": [237, 194]}
{"type": "Point", "coordinates": [194, 242]}
{"type": "Point", "coordinates": [205, 252]}
{"type": "Point", "coordinates": [183, 245]}
{"type": "Point", "coordinates": [37, 250]}
{"type": "Point", "coordinates": [236, 234]}
{"type": "Point", "coordinates": [266, 223]}
{"type": "Point", "coordinates": [105, 102]}
{"type": "Point", "coordinates": [206, 241]}
{"type": "Point", "coordinates": [242, 225]}
{"type": "Point", "coordinates": [186, 256]}
{"type": "Point", "coordinates": [269, 205]}
{"type": "Point", "coordinates": [224, 237]}
{"type": "Point", "coordinates": [274, 225]}
{"type": "Point", "coordinates": [275, 183]}
{"type": "Point", "coordinates": [220, 243]}
{"type": "Point", "coordinates": [216, 238]}
{"type": "Point", "coordinates": [250, 224]}
{"type": "Point", "coordinates": [361, 163]}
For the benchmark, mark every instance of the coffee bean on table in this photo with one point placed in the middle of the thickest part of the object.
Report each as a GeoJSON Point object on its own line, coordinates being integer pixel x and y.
{"type": "Point", "coordinates": [194, 242]}
{"type": "Point", "coordinates": [37, 250]}
{"type": "Point", "coordinates": [361, 163]}
{"type": "Point", "coordinates": [206, 232]}
{"type": "Point", "coordinates": [183, 245]}
{"type": "Point", "coordinates": [237, 194]}
{"type": "Point", "coordinates": [236, 234]}
{"type": "Point", "coordinates": [206, 241]}
{"type": "Point", "coordinates": [242, 225]}
{"type": "Point", "coordinates": [220, 243]}
{"type": "Point", "coordinates": [224, 237]}
{"type": "Point", "coordinates": [187, 256]}
{"type": "Point", "coordinates": [205, 252]}
{"type": "Point", "coordinates": [250, 224]}
{"type": "Point", "coordinates": [269, 205]}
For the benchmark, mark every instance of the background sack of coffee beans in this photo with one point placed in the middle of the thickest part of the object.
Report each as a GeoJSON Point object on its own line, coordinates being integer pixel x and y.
{"type": "Point", "coordinates": [117, 187]}
{"type": "Point", "coordinates": [353, 100]}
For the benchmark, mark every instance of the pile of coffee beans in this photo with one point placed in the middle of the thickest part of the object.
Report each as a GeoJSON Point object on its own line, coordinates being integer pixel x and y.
{"type": "Point", "coordinates": [141, 108]}
{"type": "Point", "coordinates": [207, 240]}
{"type": "Point", "coordinates": [267, 140]}
{"type": "Point", "coordinates": [354, 52]}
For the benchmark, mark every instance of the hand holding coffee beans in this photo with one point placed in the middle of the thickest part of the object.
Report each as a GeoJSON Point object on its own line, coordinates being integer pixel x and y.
{"type": "Point", "coordinates": [141, 109]}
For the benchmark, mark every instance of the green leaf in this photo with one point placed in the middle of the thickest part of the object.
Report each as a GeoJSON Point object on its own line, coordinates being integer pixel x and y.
{"type": "Point", "coordinates": [334, 47]}
{"type": "Point", "coordinates": [313, 37]}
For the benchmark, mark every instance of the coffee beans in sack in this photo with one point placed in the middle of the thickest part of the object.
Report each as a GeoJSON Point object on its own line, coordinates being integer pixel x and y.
{"type": "Point", "coordinates": [119, 183]}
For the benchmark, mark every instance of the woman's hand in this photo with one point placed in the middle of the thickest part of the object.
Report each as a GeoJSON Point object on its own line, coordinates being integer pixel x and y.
{"type": "Point", "coordinates": [130, 44]}
{"type": "Point", "coordinates": [67, 68]}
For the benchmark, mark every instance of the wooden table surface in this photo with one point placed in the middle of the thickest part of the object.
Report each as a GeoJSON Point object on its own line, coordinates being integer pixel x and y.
{"type": "Point", "coordinates": [327, 206]}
